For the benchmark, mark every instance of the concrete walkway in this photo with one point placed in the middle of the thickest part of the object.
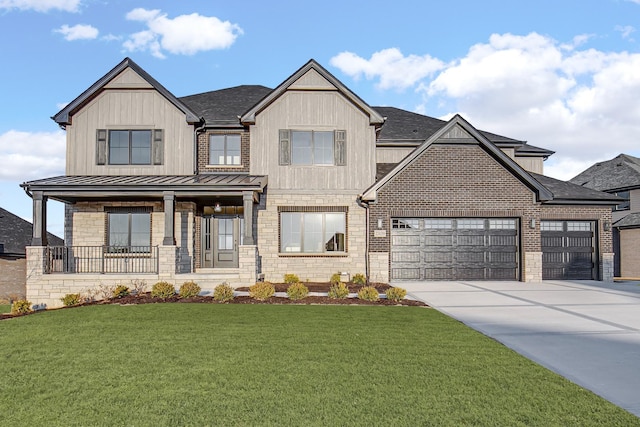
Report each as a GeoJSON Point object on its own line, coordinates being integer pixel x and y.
{"type": "Point", "coordinates": [586, 331]}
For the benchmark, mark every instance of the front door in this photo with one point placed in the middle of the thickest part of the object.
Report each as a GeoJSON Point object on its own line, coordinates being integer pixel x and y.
{"type": "Point", "coordinates": [220, 240]}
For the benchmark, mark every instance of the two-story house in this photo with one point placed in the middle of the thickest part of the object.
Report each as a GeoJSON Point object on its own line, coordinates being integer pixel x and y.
{"type": "Point", "coordinates": [248, 182]}
{"type": "Point", "coordinates": [620, 176]}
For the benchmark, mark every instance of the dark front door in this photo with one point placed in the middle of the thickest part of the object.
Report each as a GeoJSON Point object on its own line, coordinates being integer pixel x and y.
{"type": "Point", "coordinates": [220, 240]}
{"type": "Point", "coordinates": [568, 250]}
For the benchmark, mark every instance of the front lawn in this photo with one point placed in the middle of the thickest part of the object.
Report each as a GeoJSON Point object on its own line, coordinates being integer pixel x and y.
{"type": "Point", "coordinates": [5, 308]}
{"type": "Point", "coordinates": [211, 364]}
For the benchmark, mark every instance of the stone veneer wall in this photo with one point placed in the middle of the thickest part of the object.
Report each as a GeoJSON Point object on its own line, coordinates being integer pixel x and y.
{"type": "Point", "coordinates": [311, 267]}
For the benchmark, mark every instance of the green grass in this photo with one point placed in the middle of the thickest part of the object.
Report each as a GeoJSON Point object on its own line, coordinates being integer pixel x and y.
{"type": "Point", "coordinates": [5, 308]}
{"type": "Point", "coordinates": [207, 364]}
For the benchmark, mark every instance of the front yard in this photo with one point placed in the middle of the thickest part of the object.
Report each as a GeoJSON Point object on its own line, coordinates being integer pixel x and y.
{"type": "Point", "coordinates": [211, 364]}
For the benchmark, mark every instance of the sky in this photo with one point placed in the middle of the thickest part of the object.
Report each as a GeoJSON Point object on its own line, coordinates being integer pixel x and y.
{"type": "Point", "coordinates": [561, 74]}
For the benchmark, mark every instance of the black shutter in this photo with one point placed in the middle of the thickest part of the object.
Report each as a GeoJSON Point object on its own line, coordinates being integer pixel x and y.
{"type": "Point", "coordinates": [101, 147]}
{"type": "Point", "coordinates": [285, 147]}
{"type": "Point", "coordinates": [340, 147]}
{"type": "Point", "coordinates": [157, 147]}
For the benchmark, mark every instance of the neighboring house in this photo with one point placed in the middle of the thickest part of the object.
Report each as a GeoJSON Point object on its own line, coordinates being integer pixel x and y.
{"type": "Point", "coordinates": [249, 182]}
{"type": "Point", "coordinates": [620, 176]}
{"type": "Point", "coordinates": [15, 236]}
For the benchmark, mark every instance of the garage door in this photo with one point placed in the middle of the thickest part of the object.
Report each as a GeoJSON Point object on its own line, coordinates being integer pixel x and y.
{"type": "Point", "coordinates": [454, 248]}
{"type": "Point", "coordinates": [568, 250]}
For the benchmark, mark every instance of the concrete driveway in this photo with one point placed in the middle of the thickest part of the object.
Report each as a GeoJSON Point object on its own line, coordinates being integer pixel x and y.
{"type": "Point", "coordinates": [586, 331]}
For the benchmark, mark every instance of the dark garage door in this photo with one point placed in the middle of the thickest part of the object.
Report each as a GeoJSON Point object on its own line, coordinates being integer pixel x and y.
{"type": "Point", "coordinates": [568, 250]}
{"type": "Point", "coordinates": [454, 249]}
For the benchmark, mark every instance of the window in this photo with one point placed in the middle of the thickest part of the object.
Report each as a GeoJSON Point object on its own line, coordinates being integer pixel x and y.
{"type": "Point", "coordinates": [502, 224]}
{"type": "Point", "coordinates": [405, 223]}
{"type": "Point", "coordinates": [439, 224]}
{"type": "Point", "coordinates": [129, 147]}
{"type": "Point", "coordinates": [470, 224]}
{"type": "Point", "coordinates": [307, 147]}
{"type": "Point", "coordinates": [224, 149]}
{"type": "Point", "coordinates": [312, 232]}
{"type": "Point", "coordinates": [129, 231]}
{"type": "Point", "coordinates": [626, 205]}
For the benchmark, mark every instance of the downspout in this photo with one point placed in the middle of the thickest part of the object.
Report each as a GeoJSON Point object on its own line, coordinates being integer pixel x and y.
{"type": "Point", "coordinates": [196, 132]}
{"type": "Point", "coordinates": [365, 205]}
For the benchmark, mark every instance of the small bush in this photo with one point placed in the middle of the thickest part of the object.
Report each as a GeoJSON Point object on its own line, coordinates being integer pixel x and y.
{"type": "Point", "coordinates": [138, 287]}
{"type": "Point", "coordinates": [163, 290]}
{"type": "Point", "coordinates": [368, 293]}
{"type": "Point", "coordinates": [121, 291]}
{"type": "Point", "coordinates": [223, 292]}
{"type": "Point", "coordinates": [189, 290]}
{"type": "Point", "coordinates": [290, 279]}
{"type": "Point", "coordinates": [396, 294]}
{"type": "Point", "coordinates": [338, 291]}
{"type": "Point", "coordinates": [335, 279]}
{"type": "Point", "coordinates": [297, 291]}
{"type": "Point", "coordinates": [359, 279]}
{"type": "Point", "coordinates": [262, 291]}
{"type": "Point", "coordinates": [71, 299]}
{"type": "Point", "coordinates": [105, 291]}
{"type": "Point", "coordinates": [21, 306]}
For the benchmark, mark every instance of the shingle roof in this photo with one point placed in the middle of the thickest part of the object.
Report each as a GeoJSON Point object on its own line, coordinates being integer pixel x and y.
{"type": "Point", "coordinates": [620, 173]}
{"type": "Point", "coordinates": [223, 107]}
{"type": "Point", "coordinates": [566, 192]}
{"type": "Point", "coordinates": [629, 221]}
{"type": "Point", "coordinates": [16, 233]}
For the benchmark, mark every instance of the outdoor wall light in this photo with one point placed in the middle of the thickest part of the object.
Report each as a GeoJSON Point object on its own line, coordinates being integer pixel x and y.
{"type": "Point", "coordinates": [532, 223]}
{"type": "Point", "coordinates": [379, 223]}
{"type": "Point", "coordinates": [607, 226]}
{"type": "Point", "coordinates": [217, 208]}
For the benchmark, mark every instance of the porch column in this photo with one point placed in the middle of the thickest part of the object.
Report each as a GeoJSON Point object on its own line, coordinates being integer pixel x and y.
{"type": "Point", "coordinates": [39, 219]}
{"type": "Point", "coordinates": [247, 200]}
{"type": "Point", "coordinates": [169, 219]}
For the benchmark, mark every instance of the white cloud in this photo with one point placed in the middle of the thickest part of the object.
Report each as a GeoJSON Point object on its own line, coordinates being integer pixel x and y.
{"type": "Point", "coordinates": [41, 5]}
{"type": "Point", "coordinates": [78, 32]}
{"type": "Point", "coordinates": [182, 35]}
{"type": "Point", "coordinates": [389, 65]}
{"type": "Point", "coordinates": [626, 31]}
{"type": "Point", "coordinates": [31, 155]}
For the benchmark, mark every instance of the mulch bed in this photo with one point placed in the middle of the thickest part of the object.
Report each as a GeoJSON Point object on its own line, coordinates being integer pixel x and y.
{"type": "Point", "coordinates": [146, 298]}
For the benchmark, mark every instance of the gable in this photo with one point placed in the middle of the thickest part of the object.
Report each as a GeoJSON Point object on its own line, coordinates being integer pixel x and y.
{"type": "Point", "coordinates": [128, 79]}
{"type": "Point", "coordinates": [312, 80]}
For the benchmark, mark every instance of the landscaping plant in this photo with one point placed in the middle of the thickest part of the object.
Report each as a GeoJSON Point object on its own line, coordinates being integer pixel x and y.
{"type": "Point", "coordinates": [338, 291]}
{"type": "Point", "coordinates": [396, 294]}
{"type": "Point", "coordinates": [368, 293]}
{"type": "Point", "coordinates": [71, 299]}
{"type": "Point", "coordinates": [189, 290]}
{"type": "Point", "coordinates": [223, 292]}
{"type": "Point", "coordinates": [121, 291]}
{"type": "Point", "coordinates": [335, 279]}
{"type": "Point", "coordinates": [290, 279]}
{"type": "Point", "coordinates": [297, 291]}
{"type": "Point", "coordinates": [359, 279]}
{"type": "Point", "coordinates": [21, 306]}
{"type": "Point", "coordinates": [262, 291]}
{"type": "Point", "coordinates": [163, 290]}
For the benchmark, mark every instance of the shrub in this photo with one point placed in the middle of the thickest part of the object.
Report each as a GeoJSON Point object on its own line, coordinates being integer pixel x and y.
{"type": "Point", "coordinates": [189, 289]}
{"type": "Point", "coordinates": [21, 306]}
{"type": "Point", "coordinates": [223, 292]}
{"type": "Point", "coordinates": [338, 291]}
{"type": "Point", "coordinates": [121, 291]}
{"type": "Point", "coordinates": [105, 291]}
{"type": "Point", "coordinates": [138, 287]}
{"type": "Point", "coordinates": [163, 290]}
{"type": "Point", "coordinates": [359, 279]}
{"type": "Point", "coordinates": [71, 299]}
{"type": "Point", "coordinates": [297, 291]}
{"type": "Point", "coordinates": [262, 291]}
{"type": "Point", "coordinates": [368, 293]}
{"type": "Point", "coordinates": [291, 279]}
{"type": "Point", "coordinates": [335, 279]}
{"type": "Point", "coordinates": [396, 294]}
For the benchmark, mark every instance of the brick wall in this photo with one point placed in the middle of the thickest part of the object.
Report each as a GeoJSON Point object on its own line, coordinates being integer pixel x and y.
{"type": "Point", "coordinates": [203, 153]}
{"type": "Point", "coordinates": [13, 278]}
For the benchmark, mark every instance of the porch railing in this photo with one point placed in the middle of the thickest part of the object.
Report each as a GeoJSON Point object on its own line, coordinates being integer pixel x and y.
{"type": "Point", "coordinates": [101, 259]}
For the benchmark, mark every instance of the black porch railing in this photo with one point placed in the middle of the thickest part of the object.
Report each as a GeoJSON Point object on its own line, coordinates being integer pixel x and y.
{"type": "Point", "coordinates": [101, 259]}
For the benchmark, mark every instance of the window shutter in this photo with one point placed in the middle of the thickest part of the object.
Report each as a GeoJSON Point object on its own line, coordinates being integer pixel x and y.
{"type": "Point", "coordinates": [157, 150]}
{"type": "Point", "coordinates": [285, 147]}
{"type": "Point", "coordinates": [101, 146]}
{"type": "Point", "coordinates": [340, 147]}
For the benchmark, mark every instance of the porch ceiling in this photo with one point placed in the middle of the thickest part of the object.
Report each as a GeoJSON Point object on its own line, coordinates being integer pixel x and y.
{"type": "Point", "coordinates": [74, 188]}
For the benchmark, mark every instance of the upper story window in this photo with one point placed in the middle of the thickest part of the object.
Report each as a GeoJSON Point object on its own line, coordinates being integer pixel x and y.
{"type": "Point", "coordinates": [129, 147]}
{"type": "Point", "coordinates": [224, 149]}
{"type": "Point", "coordinates": [626, 205]}
{"type": "Point", "coordinates": [308, 147]}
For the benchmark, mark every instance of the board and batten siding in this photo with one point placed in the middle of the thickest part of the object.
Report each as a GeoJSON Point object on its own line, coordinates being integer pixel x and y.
{"type": "Point", "coordinates": [130, 109]}
{"type": "Point", "coordinates": [319, 110]}
{"type": "Point", "coordinates": [391, 154]}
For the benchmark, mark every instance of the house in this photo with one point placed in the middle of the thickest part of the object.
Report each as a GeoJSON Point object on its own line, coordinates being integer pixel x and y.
{"type": "Point", "coordinates": [15, 236]}
{"type": "Point", "coordinates": [620, 176]}
{"type": "Point", "coordinates": [250, 183]}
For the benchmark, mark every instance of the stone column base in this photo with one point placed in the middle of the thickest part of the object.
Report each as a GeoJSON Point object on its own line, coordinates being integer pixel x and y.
{"type": "Point", "coordinates": [532, 269]}
{"type": "Point", "coordinates": [379, 267]}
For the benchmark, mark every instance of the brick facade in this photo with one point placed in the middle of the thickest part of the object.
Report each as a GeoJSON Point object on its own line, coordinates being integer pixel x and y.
{"type": "Point", "coordinates": [13, 277]}
{"type": "Point", "coordinates": [203, 153]}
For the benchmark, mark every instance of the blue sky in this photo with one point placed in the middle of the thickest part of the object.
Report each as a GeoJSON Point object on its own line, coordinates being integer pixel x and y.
{"type": "Point", "coordinates": [563, 75]}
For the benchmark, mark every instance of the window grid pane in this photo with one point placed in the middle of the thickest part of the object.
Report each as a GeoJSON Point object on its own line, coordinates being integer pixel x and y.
{"type": "Point", "coordinates": [470, 224]}
{"type": "Point", "coordinates": [118, 147]}
{"type": "Point", "coordinates": [551, 226]}
{"type": "Point", "coordinates": [301, 153]}
{"type": "Point", "coordinates": [502, 224]}
{"type": "Point", "coordinates": [323, 148]}
{"type": "Point", "coordinates": [441, 224]}
{"type": "Point", "coordinates": [141, 147]}
{"type": "Point", "coordinates": [578, 226]}
{"type": "Point", "coordinates": [406, 223]}
{"type": "Point", "coordinates": [233, 149]}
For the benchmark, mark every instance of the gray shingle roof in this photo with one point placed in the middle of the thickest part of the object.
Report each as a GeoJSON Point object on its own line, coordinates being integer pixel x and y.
{"type": "Point", "coordinates": [630, 221]}
{"type": "Point", "coordinates": [564, 191]}
{"type": "Point", "coordinates": [620, 173]}
{"type": "Point", "coordinates": [16, 233]}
